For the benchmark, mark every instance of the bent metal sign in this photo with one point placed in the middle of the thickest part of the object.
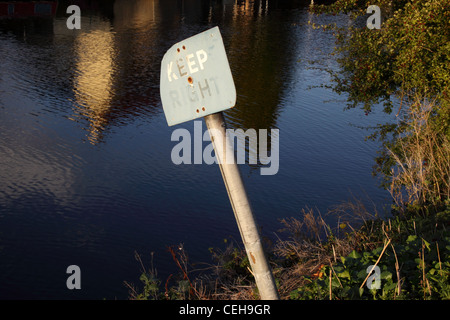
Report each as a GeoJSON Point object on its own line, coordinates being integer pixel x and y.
{"type": "Point", "coordinates": [196, 79]}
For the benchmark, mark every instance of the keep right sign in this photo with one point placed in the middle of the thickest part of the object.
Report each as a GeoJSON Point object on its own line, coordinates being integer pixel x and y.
{"type": "Point", "coordinates": [196, 79]}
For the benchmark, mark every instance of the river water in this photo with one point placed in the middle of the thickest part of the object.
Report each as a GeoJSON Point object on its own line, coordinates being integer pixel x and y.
{"type": "Point", "coordinates": [86, 176]}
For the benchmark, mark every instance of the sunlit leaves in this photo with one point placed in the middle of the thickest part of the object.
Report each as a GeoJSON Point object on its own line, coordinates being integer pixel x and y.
{"type": "Point", "coordinates": [411, 52]}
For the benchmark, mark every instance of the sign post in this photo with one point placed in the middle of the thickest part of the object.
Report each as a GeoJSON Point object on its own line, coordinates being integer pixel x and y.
{"type": "Point", "coordinates": [196, 81]}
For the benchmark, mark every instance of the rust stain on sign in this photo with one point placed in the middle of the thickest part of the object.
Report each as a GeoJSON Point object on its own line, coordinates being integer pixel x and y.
{"type": "Point", "coordinates": [253, 258]}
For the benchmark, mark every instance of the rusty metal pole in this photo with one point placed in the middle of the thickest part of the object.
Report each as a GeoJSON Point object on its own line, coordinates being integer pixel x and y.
{"type": "Point", "coordinates": [241, 207]}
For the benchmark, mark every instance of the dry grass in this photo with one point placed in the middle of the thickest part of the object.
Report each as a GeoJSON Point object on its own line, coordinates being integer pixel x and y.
{"type": "Point", "coordinates": [312, 243]}
{"type": "Point", "coordinates": [308, 245]}
{"type": "Point", "coordinates": [422, 160]}
{"type": "Point", "coordinates": [305, 250]}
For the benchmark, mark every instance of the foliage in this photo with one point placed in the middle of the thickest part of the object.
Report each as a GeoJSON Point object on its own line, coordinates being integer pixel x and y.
{"type": "Point", "coordinates": [151, 287]}
{"type": "Point", "coordinates": [233, 261]}
{"type": "Point", "coordinates": [230, 277]}
{"type": "Point", "coordinates": [411, 249]}
{"type": "Point", "coordinates": [182, 288]}
{"type": "Point", "coordinates": [421, 276]}
{"type": "Point", "coordinates": [409, 54]}
{"type": "Point", "coordinates": [150, 281]}
{"type": "Point", "coordinates": [413, 261]}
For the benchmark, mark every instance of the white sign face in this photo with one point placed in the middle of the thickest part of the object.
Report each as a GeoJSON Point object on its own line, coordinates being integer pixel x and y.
{"type": "Point", "coordinates": [196, 78]}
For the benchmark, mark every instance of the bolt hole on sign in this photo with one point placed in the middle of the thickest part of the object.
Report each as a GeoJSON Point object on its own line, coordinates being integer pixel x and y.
{"type": "Point", "coordinates": [196, 79]}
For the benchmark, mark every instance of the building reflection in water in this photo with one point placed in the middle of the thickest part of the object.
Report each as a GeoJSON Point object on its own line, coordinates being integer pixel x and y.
{"type": "Point", "coordinates": [263, 57]}
{"type": "Point", "coordinates": [93, 80]}
{"type": "Point", "coordinates": [99, 67]}
{"type": "Point", "coordinates": [118, 58]}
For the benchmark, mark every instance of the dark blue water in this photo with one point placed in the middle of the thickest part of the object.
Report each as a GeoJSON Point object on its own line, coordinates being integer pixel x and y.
{"type": "Point", "coordinates": [86, 176]}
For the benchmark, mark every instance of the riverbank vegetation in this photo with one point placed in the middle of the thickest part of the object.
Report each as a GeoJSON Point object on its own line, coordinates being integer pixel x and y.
{"type": "Point", "coordinates": [314, 261]}
{"type": "Point", "coordinates": [404, 68]}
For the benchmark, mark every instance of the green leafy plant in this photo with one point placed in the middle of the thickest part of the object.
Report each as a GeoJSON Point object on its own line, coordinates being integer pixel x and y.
{"type": "Point", "coordinates": [178, 287]}
{"type": "Point", "coordinates": [409, 54]}
{"type": "Point", "coordinates": [410, 268]}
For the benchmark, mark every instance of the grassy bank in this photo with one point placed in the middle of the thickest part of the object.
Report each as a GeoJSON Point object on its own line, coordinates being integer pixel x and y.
{"type": "Point", "coordinates": [409, 251]}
